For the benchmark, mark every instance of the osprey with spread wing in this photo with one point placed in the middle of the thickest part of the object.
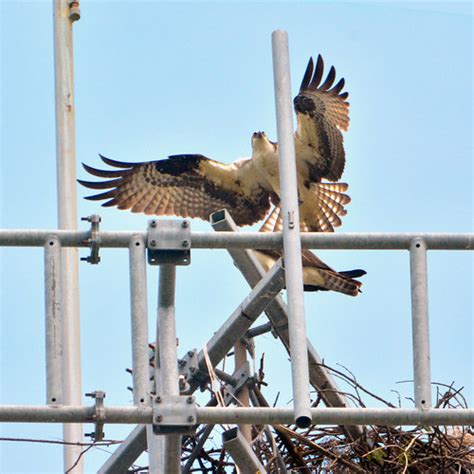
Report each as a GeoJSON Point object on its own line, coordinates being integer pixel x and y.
{"type": "Point", "coordinates": [193, 185]}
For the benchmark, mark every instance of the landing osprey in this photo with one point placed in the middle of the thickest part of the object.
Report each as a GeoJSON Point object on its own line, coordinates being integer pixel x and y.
{"type": "Point", "coordinates": [193, 185]}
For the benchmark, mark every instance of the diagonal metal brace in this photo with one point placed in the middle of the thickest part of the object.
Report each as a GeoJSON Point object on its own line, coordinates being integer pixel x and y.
{"type": "Point", "coordinates": [94, 240]}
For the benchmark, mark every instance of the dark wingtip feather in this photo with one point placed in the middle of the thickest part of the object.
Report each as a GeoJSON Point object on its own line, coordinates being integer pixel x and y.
{"type": "Point", "coordinates": [117, 164]}
{"type": "Point", "coordinates": [357, 273]}
{"type": "Point", "coordinates": [100, 196]}
{"type": "Point", "coordinates": [100, 184]}
{"type": "Point", "coordinates": [318, 73]}
{"type": "Point", "coordinates": [102, 173]}
{"type": "Point", "coordinates": [337, 88]}
{"type": "Point", "coordinates": [329, 79]}
{"type": "Point", "coordinates": [307, 75]}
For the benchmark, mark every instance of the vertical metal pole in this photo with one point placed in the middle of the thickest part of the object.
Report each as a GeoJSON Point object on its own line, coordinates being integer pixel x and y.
{"type": "Point", "coordinates": [67, 217]}
{"type": "Point", "coordinates": [291, 230]}
{"type": "Point", "coordinates": [168, 357]}
{"type": "Point", "coordinates": [420, 324]}
{"type": "Point", "coordinates": [138, 300]}
{"type": "Point", "coordinates": [53, 322]}
{"type": "Point", "coordinates": [240, 356]}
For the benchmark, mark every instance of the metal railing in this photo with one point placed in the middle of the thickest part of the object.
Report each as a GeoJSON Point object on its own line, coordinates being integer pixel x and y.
{"type": "Point", "coordinates": [167, 406]}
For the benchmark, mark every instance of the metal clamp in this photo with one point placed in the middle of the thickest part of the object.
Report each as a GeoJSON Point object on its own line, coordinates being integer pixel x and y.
{"type": "Point", "coordinates": [99, 417]}
{"type": "Point", "coordinates": [74, 11]}
{"type": "Point", "coordinates": [169, 242]}
{"type": "Point", "coordinates": [241, 375]}
{"type": "Point", "coordinates": [174, 414]}
{"type": "Point", "coordinates": [94, 240]}
{"type": "Point", "coordinates": [188, 367]}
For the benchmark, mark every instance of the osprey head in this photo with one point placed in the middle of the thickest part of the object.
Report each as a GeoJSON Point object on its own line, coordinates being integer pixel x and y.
{"type": "Point", "coordinates": [260, 142]}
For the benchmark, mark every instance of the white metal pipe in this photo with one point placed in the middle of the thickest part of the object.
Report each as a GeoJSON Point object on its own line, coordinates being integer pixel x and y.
{"type": "Point", "coordinates": [241, 452]}
{"type": "Point", "coordinates": [168, 360]}
{"type": "Point", "coordinates": [237, 415]}
{"type": "Point", "coordinates": [248, 240]}
{"type": "Point", "coordinates": [139, 318]}
{"type": "Point", "coordinates": [291, 229]}
{"type": "Point", "coordinates": [420, 324]}
{"type": "Point", "coordinates": [67, 219]}
{"type": "Point", "coordinates": [53, 322]}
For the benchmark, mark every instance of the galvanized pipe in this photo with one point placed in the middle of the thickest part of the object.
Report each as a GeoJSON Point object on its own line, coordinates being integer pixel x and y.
{"type": "Point", "coordinates": [420, 324]}
{"type": "Point", "coordinates": [241, 451]}
{"type": "Point", "coordinates": [63, 18]}
{"type": "Point", "coordinates": [248, 240]}
{"type": "Point", "coordinates": [126, 454]}
{"type": "Point", "coordinates": [167, 374]}
{"type": "Point", "coordinates": [53, 322]}
{"type": "Point", "coordinates": [238, 415]}
{"type": "Point", "coordinates": [291, 229]}
{"type": "Point", "coordinates": [139, 317]}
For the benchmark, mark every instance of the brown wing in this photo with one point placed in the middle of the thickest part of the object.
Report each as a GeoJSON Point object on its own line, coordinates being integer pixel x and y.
{"type": "Point", "coordinates": [322, 112]}
{"type": "Point", "coordinates": [330, 200]}
{"type": "Point", "coordinates": [182, 185]}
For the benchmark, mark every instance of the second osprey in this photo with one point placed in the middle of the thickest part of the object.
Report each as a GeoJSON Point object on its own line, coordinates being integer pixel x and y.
{"type": "Point", "coordinates": [193, 185]}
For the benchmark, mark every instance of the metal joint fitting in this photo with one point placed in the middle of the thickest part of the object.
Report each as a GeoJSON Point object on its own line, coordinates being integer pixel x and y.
{"type": "Point", "coordinates": [94, 240]}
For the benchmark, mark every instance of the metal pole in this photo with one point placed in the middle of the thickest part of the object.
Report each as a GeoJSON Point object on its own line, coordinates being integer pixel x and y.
{"type": "Point", "coordinates": [138, 299]}
{"type": "Point", "coordinates": [420, 324]}
{"type": "Point", "coordinates": [247, 240]}
{"type": "Point", "coordinates": [168, 371]}
{"type": "Point", "coordinates": [63, 18]}
{"type": "Point", "coordinates": [241, 452]}
{"type": "Point", "coordinates": [291, 230]}
{"type": "Point", "coordinates": [238, 415]}
{"type": "Point", "coordinates": [53, 322]}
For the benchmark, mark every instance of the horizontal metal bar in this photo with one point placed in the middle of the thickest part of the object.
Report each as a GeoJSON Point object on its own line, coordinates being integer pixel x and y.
{"type": "Point", "coordinates": [205, 240]}
{"type": "Point", "coordinates": [239, 415]}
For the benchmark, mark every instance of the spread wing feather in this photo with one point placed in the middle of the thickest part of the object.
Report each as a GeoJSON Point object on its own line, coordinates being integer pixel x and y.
{"type": "Point", "coordinates": [330, 201]}
{"type": "Point", "coordinates": [182, 185]}
{"type": "Point", "coordinates": [322, 113]}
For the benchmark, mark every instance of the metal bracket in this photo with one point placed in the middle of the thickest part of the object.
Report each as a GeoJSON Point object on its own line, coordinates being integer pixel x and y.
{"type": "Point", "coordinates": [189, 368]}
{"type": "Point", "coordinates": [99, 416]}
{"type": "Point", "coordinates": [169, 242]}
{"type": "Point", "coordinates": [174, 414]}
{"type": "Point", "coordinates": [74, 11]}
{"type": "Point", "coordinates": [241, 375]}
{"type": "Point", "coordinates": [94, 240]}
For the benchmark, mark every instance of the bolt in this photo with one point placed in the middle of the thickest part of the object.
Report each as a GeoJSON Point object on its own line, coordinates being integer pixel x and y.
{"type": "Point", "coordinates": [185, 224]}
{"type": "Point", "coordinates": [192, 369]}
{"type": "Point", "coordinates": [185, 243]}
{"type": "Point", "coordinates": [153, 243]}
{"type": "Point", "coordinates": [189, 400]}
{"type": "Point", "coordinates": [190, 353]}
{"type": "Point", "coordinates": [181, 363]}
{"type": "Point", "coordinates": [152, 223]}
{"type": "Point", "coordinates": [190, 418]}
{"type": "Point", "coordinates": [158, 418]}
{"type": "Point", "coordinates": [158, 399]}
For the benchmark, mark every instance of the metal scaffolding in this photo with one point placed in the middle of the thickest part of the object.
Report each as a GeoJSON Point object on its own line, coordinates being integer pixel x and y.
{"type": "Point", "coordinates": [165, 409]}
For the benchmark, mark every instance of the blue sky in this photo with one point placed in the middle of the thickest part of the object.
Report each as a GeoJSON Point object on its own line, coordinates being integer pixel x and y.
{"type": "Point", "coordinates": [155, 79]}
